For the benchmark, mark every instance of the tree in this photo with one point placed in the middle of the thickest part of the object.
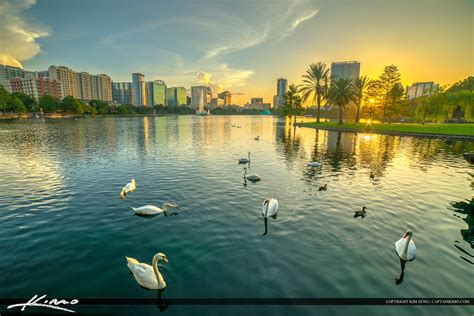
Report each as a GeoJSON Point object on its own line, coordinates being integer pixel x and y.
{"type": "Point", "coordinates": [373, 98]}
{"type": "Point", "coordinates": [70, 104]}
{"type": "Point", "coordinates": [389, 77]}
{"type": "Point", "coordinates": [293, 102]}
{"type": "Point", "coordinates": [313, 84]}
{"type": "Point", "coordinates": [395, 99]}
{"type": "Point", "coordinates": [341, 93]}
{"type": "Point", "coordinates": [4, 98]}
{"type": "Point", "coordinates": [28, 101]}
{"type": "Point", "coordinates": [49, 103]}
{"type": "Point", "coordinates": [101, 107]}
{"type": "Point", "coordinates": [360, 85]}
{"type": "Point", "coordinates": [15, 105]}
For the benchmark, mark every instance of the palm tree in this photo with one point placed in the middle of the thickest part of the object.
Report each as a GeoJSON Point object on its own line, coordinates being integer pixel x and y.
{"type": "Point", "coordinates": [359, 85]}
{"type": "Point", "coordinates": [341, 93]}
{"type": "Point", "coordinates": [312, 86]}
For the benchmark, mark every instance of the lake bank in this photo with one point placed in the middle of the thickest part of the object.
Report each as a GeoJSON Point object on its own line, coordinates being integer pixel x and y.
{"type": "Point", "coordinates": [445, 131]}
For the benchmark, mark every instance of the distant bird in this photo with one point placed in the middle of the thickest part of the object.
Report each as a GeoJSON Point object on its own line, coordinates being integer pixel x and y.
{"type": "Point", "coordinates": [251, 177]}
{"type": "Point", "coordinates": [323, 187]}
{"type": "Point", "coordinates": [269, 207]}
{"type": "Point", "coordinates": [405, 247]}
{"type": "Point", "coordinates": [314, 164]}
{"type": "Point", "coordinates": [372, 175]}
{"type": "Point", "coordinates": [360, 213]}
{"type": "Point", "coordinates": [257, 138]}
{"type": "Point", "coordinates": [245, 160]}
{"type": "Point", "coordinates": [146, 275]}
{"type": "Point", "coordinates": [129, 187]}
{"type": "Point", "coordinates": [153, 210]}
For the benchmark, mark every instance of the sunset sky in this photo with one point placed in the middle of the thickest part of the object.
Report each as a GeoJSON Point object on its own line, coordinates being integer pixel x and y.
{"type": "Point", "coordinates": [241, 46]}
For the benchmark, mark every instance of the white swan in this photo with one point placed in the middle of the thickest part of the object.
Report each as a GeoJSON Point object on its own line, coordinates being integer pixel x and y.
{"type": "Point", "coordinates": [314, 164]}
{"type": "Point", "coordinates": [153, 210]}
{"type": "Point", "coordinates": [146, 275]}
{"type": "Point", "coordinates": [251, 177]}
{"type": "Point", "coordinates": [245, 160]}
{"type": "Point", "coordinates": [129, 187]}
{"type": "Point", "coordinates": [269, 207]}
{"type": "Point", "coordinates": [405, 247]}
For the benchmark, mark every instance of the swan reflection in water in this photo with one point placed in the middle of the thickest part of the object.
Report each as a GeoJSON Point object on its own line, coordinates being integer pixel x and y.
{"type": "Point", "coordinates": [160, 303]}
{"type": "Point", "coordinates": [405, 248]}
{"type": "Point", "coordinates": [269, 209]}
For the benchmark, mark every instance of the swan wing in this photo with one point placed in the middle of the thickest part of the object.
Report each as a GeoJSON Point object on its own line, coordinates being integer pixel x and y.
{"type": "Point", "coordinates": [148, 210]}
{"type": "Point", "coordinates": [131, 261]}
{"type": "Point", "coordinates": [399, 245]}
{"type": "Point", "coordinates": [144, 275]}
{"type": "Point", "coordinates": [273, 207]}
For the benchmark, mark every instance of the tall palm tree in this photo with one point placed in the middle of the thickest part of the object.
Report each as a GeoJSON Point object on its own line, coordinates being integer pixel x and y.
{"type": "Point", "coordinates": [312, 86]}
{"type": "Point", "coordinates": [360, 85]}
{"type": "Point", "coordinates": [341, 93]}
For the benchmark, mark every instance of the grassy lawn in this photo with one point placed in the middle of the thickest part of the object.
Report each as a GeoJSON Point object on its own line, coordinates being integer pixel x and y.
{"type": "Point", "coordinates": [446, 129]}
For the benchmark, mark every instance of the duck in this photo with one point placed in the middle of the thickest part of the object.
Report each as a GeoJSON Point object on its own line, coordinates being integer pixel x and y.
{"type": "Point", "coordinates": [251, 177]}
{"type": "Point", "coordinates": [245, 160]}
{"type": "Point", "coordinates": [360, 213]}
{"type": "Point", "coordinates": [129, 187]}
{"type": "Point", "coordinates": [314, 164]}
{"type": "Point", "coordinates": [154, 210]}
{"type": "Point", "coordinates": [372, 175]}
{"type": "Point", "coordinates": [257, 138]}
{"type": "Point", "coordinates": [405, 247]}
{"type": "Point", "coordinates": [323, 187]}
{"type": "Point", "coordinates": [148, 276]}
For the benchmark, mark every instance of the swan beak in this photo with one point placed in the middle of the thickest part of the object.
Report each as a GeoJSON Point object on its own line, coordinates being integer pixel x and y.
{"type": "Point", "coordinates": [165, 260]}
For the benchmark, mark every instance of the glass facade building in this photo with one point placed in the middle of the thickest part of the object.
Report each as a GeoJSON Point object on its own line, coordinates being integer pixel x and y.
{"type": "Point", "coordinates": [345, 70]}
{"type": "Point", "coordinates": [139, 89]}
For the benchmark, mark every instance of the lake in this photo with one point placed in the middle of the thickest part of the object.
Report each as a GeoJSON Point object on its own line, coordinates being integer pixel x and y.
{"type": "Point", "coordinates": [65, 232]}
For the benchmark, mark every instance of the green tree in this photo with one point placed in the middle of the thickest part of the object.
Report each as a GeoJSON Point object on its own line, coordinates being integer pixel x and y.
{"type": "Point", "coordinates": [15, 105]}
{"type": "Point", "coordinates": [389, 77]}
{"type": "Point", "coordinates": [313, 86]}
{"type": "Point", "coordinates": [341, 93]}
{"type": "Point", "coordinates": [4, 98]}
{"type": "Point", "coordinates": [29, 102]}
{"type": "Point", "coordinates": [72, 105]}
{"type": "Point", "coordinates": [293, 103]}
{"type": "Point", "coordinates": [360, 85]}
{"type": "Point", "coordinates": [395, 100]}
{"type": "Point", "coordinates": [101, 107]}
{"type": "Point", "coordinates": [49, 103]}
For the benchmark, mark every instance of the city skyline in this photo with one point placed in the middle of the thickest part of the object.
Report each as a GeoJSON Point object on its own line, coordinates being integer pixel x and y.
{"type": "Point", "coordinates": [243, 52]}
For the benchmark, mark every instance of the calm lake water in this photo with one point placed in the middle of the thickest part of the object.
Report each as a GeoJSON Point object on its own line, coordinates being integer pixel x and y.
{"type": "Point", "coordinates": [64, 231]}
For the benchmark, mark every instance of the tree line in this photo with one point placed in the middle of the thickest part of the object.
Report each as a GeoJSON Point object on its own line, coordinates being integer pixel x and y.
{"type": "Point", "coordinates": [383, 98]}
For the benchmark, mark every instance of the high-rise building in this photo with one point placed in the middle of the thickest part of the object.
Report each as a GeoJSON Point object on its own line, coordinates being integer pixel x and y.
{"type": "Point", "coordinates": [345, 70]}
{"type": "Point", "coordinates": [217, 102]}
{"type": "Point", "coordinates": [122, 92]}
{"type": "Point", "coordinates": [282, 87]}
{"type": "Point", "coordinates": [9, 72]}
{"type": "Point", "coordinates": [419, 89]}
{"type": "Point", "coordinates": [139, 89]}
{"type": "Point", "coordinates": [68, 79]}
{"type": "Point", "coordinates": [257, 104]}
{"type": "Point", "coordinates": [226, 97]}
{"type": "Point", "coordinates": [34, 87]}
{"type": "Point", "coordinates": [199, 96]}
{"type": "Point", "coordinates": [156, 92]}
{"type": "Point", "coordinates": [101, 87]}
{"type": "Point", "coordinates": [176, 96]}
{"type": "Point", "coordinates": [84, 80]}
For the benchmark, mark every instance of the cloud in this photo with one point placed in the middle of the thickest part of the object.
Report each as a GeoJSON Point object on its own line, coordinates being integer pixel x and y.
{"type": "Point", "coordinates": [17, 37]}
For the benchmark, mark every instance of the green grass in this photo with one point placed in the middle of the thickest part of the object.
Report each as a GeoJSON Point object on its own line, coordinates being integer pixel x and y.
{"type": "Point", "coordinates": [445, 129]}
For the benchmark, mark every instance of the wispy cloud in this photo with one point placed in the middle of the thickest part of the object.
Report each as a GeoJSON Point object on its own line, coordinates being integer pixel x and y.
{"type": "Point", "coordinates": [18, 37]}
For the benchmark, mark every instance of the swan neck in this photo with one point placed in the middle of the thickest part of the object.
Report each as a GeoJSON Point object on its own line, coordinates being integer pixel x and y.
{"type": "Point", "coordinates": [405, 247]}
{"type": "Point", "coordinates": [156, 271]}
{"type": "Point", "coordinates": [266, 210]}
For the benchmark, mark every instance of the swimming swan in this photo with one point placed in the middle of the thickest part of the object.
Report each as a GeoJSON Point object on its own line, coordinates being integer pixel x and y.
{"type": "Point", "coordinates": [360, 213]}
{"type": "Point", "coordinates": [251, 177]}
{"type": "Point", "coordinates": [269, 207]}
{"type": "Point", "coordinates": [405, 247]}
{"type": "Point", "coordinates": [146, 275]}
{"type": "Point", "coordinates": [245, 160]}
{"type": "Point", "coordinates": [130, 187]}
{"type": "Point", "coordinates": [153, 210]}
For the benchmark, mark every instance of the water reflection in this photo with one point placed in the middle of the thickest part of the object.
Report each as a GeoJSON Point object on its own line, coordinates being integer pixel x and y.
{"type": "Point", "coordinates": [399, 280]}
{"type": "Point", "coordinates": [466, 208]}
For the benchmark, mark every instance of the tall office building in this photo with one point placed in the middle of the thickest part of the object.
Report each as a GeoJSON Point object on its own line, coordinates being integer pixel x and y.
{"type": "Point", "coordinates": [68, 79]}
{"type": "Point", "coordinates": [156, 92]}
{"type": "Point", "coordinates": [34, 87]}
{"type": "Point", "coordinates": [345, 70]}
{"type": "Point", "coordinates": [419, 89]}
{"type": "Point", "coordinates": [84, 80]}
{"type": "Point", "coordinates": [282, 87]}
{"type": "Point", "coordinates": [226, 97]}
{"type": "Point", "coordinates": [101, 87]}
{"type": "Point", "coordinates": [176, 96]}
{"type": "Point", "coordinates": [199, 96]}
{"type": "Point", "coordinates": [122, 92]}
{"type": "Point", "coordinates": [139, 89]}
{"type": "Point", "coordinates": [181, 97]}
{"type": "Point", "coordinates": [9, 72]}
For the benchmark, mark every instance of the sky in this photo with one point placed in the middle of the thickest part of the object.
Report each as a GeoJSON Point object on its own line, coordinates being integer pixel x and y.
{"type": "Point", "coordinates": [242, 46]}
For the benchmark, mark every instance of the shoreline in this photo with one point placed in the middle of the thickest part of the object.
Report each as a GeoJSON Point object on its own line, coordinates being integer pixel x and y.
{"type": "Point", "coordinates": [393, 133]}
